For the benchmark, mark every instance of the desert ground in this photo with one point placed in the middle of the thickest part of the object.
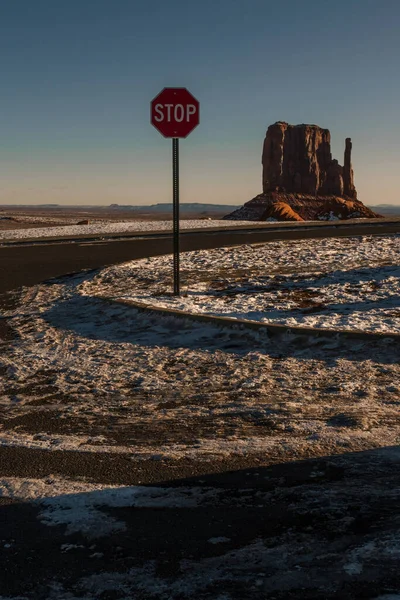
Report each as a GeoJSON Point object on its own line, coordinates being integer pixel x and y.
{"type": "Point", "coordinates": [151, 456]}
{"type": "Point", "coordinates": [17, 222]}
{"type": "Point", "coordinates": [25, 217]}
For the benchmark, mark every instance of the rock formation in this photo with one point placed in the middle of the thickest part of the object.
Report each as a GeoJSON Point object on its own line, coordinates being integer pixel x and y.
{"type": "Point", "coordinates": [348, 175]}
{"type": "Point", "coordinates": [296, 158]}
{"type": "Point", "coordinates": [301, 181]}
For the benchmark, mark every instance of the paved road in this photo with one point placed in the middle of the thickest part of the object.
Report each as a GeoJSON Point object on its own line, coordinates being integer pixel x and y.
{"type": "Point", "coordinates": [29, 263]}
{"type": "Point", "coordinates": [314, 529]}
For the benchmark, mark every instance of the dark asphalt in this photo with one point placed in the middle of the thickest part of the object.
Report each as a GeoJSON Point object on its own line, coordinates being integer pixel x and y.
{"type": "Point", "coordinates": [29, 263]}
{"type": "Point", "coordinates": [340, 548]}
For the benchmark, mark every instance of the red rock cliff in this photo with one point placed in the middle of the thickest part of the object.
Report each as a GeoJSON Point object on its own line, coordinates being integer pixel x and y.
{"type": "Point", "coordinates": [298, 159]}
{"type": "Point", "coordinates": [301, 180]}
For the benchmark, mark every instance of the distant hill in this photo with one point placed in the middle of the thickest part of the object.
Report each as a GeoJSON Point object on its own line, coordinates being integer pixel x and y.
{"type": "Point", "coordinates": [161, 207]}
{"type": "Point", "coordinates": [194, 207]}
{"type": "Point", "coordinates": [386, 209]}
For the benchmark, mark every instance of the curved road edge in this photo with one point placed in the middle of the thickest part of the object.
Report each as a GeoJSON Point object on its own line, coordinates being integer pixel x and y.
{"type": "Point", "coordinates": [26, 264]}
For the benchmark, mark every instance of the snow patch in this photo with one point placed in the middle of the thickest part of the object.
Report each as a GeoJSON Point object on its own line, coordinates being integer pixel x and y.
{"type": "Point", "coordinates": [114, 227]}
{"type": "Point", "coordinates": [338, 283]}
{"type": "Point", "coordinates": [78, 505]}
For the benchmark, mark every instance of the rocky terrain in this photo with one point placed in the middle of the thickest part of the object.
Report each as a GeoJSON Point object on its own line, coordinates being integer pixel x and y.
{"type": "Point", "coordinates": [301, 181]}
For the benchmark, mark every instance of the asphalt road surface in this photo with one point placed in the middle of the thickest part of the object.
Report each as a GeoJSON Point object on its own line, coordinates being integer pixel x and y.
{"type": "Point", "coordinates": [31, 262]}
{"type": "Point", "coordinates": [317, 529]}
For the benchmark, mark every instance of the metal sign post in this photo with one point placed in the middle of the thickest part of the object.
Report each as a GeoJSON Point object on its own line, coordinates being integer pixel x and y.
{"type": "Point", "coordinates": [175, 196]}
{"type": "Point", "coordinates": [174, 112]}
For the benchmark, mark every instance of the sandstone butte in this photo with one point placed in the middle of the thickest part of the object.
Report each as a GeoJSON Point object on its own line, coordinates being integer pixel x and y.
{"type": "Point", "coordinates": [301, 181]}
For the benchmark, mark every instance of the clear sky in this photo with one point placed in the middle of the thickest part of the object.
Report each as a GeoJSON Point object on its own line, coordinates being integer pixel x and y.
{"type": "Point", "coordinates": [77, 77]}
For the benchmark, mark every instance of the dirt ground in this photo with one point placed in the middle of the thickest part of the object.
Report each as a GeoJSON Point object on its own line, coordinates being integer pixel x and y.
{"type": "Point", "coordinates": [15, 217]}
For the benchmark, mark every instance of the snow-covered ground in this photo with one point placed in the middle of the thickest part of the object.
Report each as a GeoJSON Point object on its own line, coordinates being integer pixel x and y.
{"type": "Point", "coordinates": [351, 283]}
{"type": "Point", "coordinates": [172, 388]}
{"type": "Point", "coordinates": [87, 374]}
{"type": "Point", "coordinates": [107, 227]}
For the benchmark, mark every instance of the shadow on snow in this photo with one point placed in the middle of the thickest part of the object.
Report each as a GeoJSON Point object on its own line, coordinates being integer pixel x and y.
{"type": "Point", "coordinates": [105, 320]}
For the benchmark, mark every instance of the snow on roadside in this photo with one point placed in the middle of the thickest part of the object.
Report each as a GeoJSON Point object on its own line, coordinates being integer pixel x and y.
{"type": "Point", "coordinates": [114, 227]}
{"type": "Point", "coordinates": [77, 505]}
{"type": "Point", "coordinates": [325, 543]}
{"type": "Point", "coordinates": [351, 283]}
{"type": "Point", "coordinates": [87, 374]}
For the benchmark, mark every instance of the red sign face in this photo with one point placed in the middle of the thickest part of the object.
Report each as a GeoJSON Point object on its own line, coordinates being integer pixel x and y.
{"type": "Point", "coordinates": [175, 112]}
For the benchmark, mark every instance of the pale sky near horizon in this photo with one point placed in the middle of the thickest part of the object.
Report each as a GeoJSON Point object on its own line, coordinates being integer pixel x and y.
{"type": "Point", "coordinates": [78, 76]}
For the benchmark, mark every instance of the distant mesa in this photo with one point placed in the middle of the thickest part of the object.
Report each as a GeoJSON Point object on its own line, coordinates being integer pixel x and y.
{"type": "Point", "coordinates": [301, 181]}
{"type": "Point", "coordinates": [166, 207]}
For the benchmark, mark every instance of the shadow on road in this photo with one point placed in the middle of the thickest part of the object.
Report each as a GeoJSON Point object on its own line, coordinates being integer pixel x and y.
{"type": "Point", "coordinates": [321, 528]}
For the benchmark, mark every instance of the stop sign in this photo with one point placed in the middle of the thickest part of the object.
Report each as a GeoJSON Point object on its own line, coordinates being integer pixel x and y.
{"type": "Point", "coordinates": [175, 112]}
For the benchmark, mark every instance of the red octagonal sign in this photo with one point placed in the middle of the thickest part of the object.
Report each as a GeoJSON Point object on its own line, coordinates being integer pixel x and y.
{"type": "Point", "coordinates": [175, 112]}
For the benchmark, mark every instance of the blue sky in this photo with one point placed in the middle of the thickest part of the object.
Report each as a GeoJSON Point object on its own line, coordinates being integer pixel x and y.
{"type": "Point", "coordinates": [78, 76]}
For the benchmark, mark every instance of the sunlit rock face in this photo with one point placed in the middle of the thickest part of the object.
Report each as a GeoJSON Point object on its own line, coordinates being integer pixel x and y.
{"type": "Point", "coordinates": [300, 179]}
